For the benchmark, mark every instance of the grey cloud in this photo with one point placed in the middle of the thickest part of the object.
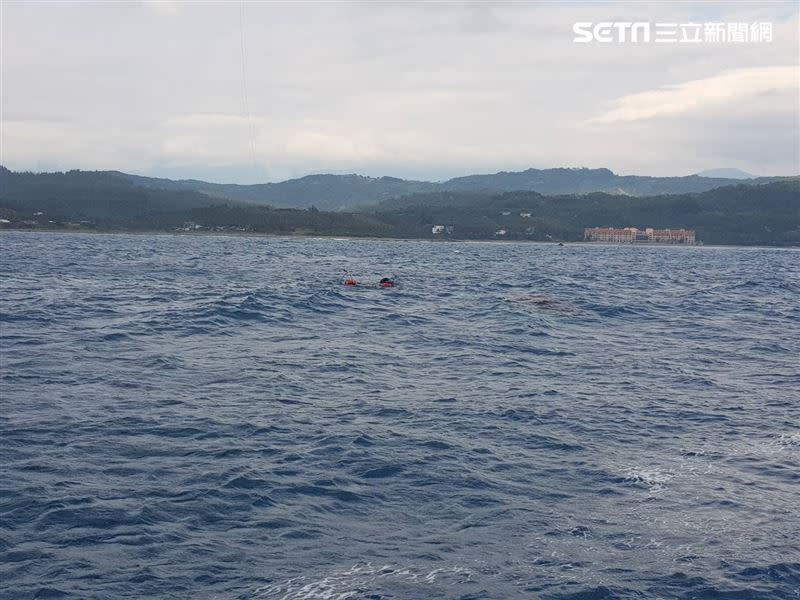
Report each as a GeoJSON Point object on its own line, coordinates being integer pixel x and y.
{"type": "Point", "coordinates": [400, 89]}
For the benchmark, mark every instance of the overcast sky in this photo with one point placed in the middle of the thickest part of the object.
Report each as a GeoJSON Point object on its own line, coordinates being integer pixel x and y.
{"type": "Point", "coordinates": [410, 89]}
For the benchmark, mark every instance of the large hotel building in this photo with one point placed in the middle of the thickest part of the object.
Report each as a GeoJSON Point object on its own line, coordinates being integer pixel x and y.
{"type": "Point", "coordinates": [630, 235]}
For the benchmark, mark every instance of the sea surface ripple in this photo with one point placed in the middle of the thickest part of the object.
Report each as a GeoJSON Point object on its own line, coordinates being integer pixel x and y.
{"type": "Point", "coordinates": [218, 417]}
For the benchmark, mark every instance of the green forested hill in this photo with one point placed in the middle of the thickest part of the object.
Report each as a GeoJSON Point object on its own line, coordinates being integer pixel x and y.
{"type": "Point", "coordinates": [768, 213]}
{"type": "Point", "coordinates": [98, 195]}
{"type": "Point", "coordinates": [326, 192]}
{"type": "Point", "coordinates": [353, 192]}
{"type": "Point", "coordinates": [741, 214]}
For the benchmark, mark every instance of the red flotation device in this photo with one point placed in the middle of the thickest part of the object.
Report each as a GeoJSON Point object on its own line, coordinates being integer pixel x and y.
{"type": "Point", "coordinates": [350, 281]}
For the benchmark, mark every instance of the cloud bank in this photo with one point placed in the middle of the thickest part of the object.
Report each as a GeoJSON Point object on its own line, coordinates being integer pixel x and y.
{"type": "Point", "coordinates": [407, 89]}
{"type": "Point", "coordinates": [700, 94]}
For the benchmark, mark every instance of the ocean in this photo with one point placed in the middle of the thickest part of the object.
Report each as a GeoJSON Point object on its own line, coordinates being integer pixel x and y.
{"type": "Point", "coordinates": [219, 417]}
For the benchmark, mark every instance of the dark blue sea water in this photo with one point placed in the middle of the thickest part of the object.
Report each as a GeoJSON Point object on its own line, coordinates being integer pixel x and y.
{"type": "Point", "coordinates": [218, 417]}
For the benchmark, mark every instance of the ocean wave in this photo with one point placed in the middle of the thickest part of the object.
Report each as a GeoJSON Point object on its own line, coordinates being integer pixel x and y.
{"type": "Point", "coordinates": [207, 417]}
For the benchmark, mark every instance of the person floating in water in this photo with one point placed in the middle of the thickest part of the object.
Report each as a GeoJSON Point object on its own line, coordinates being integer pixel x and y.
{"type": "Point", "coordinates": [386, 282]}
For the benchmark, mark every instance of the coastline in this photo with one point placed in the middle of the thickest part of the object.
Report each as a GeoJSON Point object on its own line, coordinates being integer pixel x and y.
{"type": "Point", "coordinates": [256, 234]}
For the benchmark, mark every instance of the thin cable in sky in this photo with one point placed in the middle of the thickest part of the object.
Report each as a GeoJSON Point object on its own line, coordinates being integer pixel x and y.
{"type": "Point", "coordinates": [245, 99]}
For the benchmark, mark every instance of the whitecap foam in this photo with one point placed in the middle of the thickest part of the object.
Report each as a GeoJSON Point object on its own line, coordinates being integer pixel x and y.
{"type": "Point", "coordinates": [654, 479]}
{"type": "Point", "coordinates": [788, 440]}
{"type": "Point", "coordinates": [357, 580]}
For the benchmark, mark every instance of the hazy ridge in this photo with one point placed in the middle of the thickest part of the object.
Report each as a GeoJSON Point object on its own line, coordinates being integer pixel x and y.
{"type": "Point", "coordinates": [346, 192]}
{"type": "Point", "coordinates": [762, 211]}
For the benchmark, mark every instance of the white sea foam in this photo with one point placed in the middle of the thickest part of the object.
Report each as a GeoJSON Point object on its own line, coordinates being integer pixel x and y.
{"type": "Point", "coordinates": [654, 479]}
{"type": "Point", "coordinates": [788, 440]}
{"type": "Point", "coordinates": [357, 580]}
{"type": "Point", "coordinates": [775, 444]}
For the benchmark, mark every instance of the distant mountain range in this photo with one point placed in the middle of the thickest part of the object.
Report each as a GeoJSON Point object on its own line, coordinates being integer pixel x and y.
{"type": "Point", "coordinates": [727, 173]}
{"type": "Point", "coordinates": [757, 212]}
{"type": "Point", "coordinates": [325, 192]}
{"type": "Point", "coordinates": [349, 192]}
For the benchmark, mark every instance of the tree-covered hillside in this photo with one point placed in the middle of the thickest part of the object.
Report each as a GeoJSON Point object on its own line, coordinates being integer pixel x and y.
{"type": "Point", "coordinates": [354, 192]}
{"type": "Point", "coordinates": [742, 214]}
{"type": "Point", "coordinates": [99, 195]}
